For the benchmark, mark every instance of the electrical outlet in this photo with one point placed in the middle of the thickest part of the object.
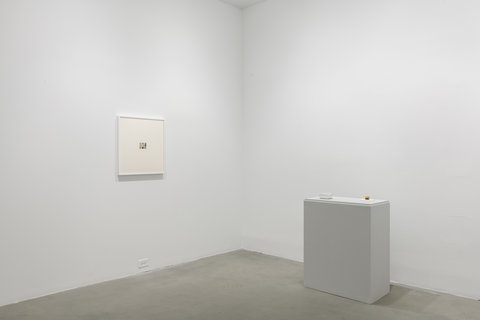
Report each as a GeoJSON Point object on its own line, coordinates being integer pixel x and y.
{"type": "Point", "coordinates": [143, 263]}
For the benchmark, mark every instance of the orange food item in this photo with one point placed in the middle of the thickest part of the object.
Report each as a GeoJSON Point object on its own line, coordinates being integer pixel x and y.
{"type": "Point", "coordinates": [367, 197]}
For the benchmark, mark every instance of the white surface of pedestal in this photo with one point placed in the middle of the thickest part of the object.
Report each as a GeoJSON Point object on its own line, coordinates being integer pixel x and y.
{"type": "Point", "coordinates": [347, 247]}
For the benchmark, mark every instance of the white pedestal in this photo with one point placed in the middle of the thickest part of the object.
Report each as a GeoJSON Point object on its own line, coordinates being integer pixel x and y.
{"type": "Point", "coordinates": [347, 247]}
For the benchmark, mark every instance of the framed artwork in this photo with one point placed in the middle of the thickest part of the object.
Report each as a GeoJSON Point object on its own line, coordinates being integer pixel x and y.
{"type": "Point", "coordinates": [141, 145]}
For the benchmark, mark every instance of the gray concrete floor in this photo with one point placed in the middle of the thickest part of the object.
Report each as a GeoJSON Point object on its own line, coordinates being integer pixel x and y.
{"type": "Point", "coordinates": [237, 285]}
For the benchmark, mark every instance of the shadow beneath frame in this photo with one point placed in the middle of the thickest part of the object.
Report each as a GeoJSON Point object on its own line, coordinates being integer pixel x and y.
{"type": "Point", "coordinates": [146, 177]}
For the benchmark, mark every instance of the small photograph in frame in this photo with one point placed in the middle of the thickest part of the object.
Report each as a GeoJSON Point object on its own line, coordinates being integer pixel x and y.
{"type": "Point", "coordinates": [141, 145]}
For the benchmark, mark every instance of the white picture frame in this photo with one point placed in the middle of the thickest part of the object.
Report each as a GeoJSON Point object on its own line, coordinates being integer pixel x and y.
{"type": "Point", "coordinates": [140, 145]}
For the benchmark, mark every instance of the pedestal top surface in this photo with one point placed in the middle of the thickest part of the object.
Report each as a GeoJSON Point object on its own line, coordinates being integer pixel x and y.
{"type": "Point", "coordinates": [352, 201]}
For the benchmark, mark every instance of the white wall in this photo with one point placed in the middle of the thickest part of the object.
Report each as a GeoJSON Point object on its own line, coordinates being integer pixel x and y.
{"type": "Point", "coordinates": [376, 98]}
{"type": "Point", "coordinates": [66, 69]}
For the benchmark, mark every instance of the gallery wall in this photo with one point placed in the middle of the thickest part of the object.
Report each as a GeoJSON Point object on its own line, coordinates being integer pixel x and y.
{"type": "Point", "coordinates": [371, 98]}
{"type": "Point", "coordinates": [67, 68]}
{"type": "Point", "coordinates": [374, 98]}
